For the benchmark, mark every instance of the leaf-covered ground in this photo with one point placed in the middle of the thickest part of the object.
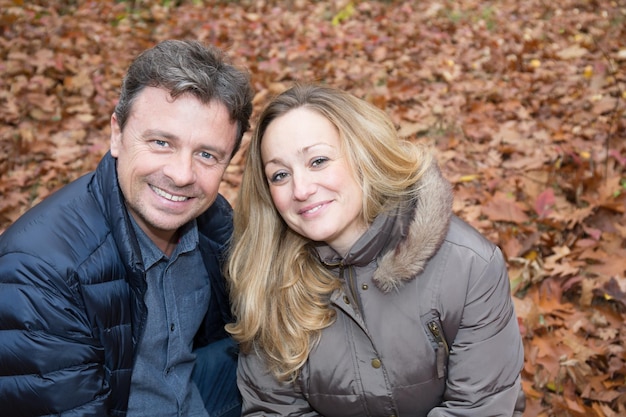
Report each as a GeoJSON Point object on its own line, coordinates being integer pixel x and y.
{"type": "Point", "coordinates": [524, 101]}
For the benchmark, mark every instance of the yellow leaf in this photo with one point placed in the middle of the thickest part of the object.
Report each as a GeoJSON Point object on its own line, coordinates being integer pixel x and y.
{"type": "Point", "coordinates": [531, 255]}
{"type": "Point", "coordinates": [552, 386]}
{"type": "Point", "coordinates": [468, 178]}
{"type": "Point", "coordinates": [343, 14]}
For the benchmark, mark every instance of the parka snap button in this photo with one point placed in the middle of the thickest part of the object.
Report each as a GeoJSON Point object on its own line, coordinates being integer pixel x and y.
{"type": "Point", "coordinates": [346, 299]}
{"type": "Point", "coordinates": [376, 363]}
{"type": "Point", "coordinates": [365, 286]}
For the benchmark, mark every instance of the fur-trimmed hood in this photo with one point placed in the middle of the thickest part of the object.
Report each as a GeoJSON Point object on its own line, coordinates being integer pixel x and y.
{"type": "Point", "coordinates": [429, 222]}
{"type": "Point", "coordinates": [405, 238]}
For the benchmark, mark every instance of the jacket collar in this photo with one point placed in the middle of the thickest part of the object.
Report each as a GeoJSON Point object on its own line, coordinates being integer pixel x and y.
{"type": "Point", "coordinates": [114, 208]}
{"type": "Point", "coordinates": [404, 238]}
{"type": "Point", "coordinates": [385, 231]}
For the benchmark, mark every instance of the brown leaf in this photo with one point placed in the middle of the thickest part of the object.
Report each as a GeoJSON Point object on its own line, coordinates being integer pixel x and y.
{"type": "Point", "coordinates": [503, 208]}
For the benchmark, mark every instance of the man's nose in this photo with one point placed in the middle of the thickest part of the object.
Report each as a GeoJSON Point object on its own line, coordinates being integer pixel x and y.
{"type": "Point", "coordinates": [180, 169]}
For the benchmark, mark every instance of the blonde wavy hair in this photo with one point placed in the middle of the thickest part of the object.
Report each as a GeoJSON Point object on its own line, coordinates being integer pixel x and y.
{"type": "Point", "coordinates": [280, 290]}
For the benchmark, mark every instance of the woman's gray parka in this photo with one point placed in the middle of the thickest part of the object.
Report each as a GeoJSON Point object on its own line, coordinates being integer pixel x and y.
{"type": "Point", "coordinates": [425, 326]}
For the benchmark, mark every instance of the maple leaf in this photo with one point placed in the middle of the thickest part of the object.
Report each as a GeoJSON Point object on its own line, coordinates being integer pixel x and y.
{"type": "Point", "coordinates": [502, 207]}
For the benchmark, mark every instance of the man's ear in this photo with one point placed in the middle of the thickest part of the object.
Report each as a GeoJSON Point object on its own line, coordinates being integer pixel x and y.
{"type": "Point", "coordinates": [116, 136]}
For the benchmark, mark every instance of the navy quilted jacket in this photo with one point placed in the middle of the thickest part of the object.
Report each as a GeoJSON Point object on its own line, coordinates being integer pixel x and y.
{"type": "Point", "coordinates": [71, 291]}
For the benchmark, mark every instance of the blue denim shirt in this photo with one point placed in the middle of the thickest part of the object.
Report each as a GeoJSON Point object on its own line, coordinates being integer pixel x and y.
{"type": "Point", "coordinates": [177, 299]}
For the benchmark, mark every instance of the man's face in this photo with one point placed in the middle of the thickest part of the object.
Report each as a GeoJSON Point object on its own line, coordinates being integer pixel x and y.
{"type": "Point", "coordinates": [170, 159]}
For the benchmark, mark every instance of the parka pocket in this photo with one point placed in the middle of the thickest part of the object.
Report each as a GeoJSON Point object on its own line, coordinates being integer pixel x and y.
{"type": "Point", "coordinates": [434, 330]}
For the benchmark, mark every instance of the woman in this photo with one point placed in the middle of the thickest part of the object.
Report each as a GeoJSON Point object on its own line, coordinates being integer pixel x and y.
{"type": "Point", "coordinates": [356, 290]}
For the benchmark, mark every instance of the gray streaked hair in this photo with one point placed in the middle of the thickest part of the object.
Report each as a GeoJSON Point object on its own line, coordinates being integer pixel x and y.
{"type": "Point", "coordinates": [189, 67]}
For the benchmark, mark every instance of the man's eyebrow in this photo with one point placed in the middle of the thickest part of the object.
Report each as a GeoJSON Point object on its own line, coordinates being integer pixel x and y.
{"type": "Point", "coordinates": [159, 133]}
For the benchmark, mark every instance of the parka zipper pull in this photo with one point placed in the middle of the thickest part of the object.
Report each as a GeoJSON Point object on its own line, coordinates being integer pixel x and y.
{"type": "Point", "coordinates": [442, 348]}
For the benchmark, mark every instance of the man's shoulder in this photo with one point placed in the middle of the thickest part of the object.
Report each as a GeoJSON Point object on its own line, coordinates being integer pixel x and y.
{"type": "Point", "coordinates": [67, 223]}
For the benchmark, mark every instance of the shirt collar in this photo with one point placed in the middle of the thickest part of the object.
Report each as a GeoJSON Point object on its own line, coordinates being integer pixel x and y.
{"type": "Point", "coordinates": [151, 254]}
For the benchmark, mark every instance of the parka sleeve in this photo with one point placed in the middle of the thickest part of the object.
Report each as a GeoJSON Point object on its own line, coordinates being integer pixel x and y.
{"type": "Point", "coordinates": [486, 354]}
{"type": "Point", "coordinates": [264, 395]}
{"type": "Point", "coordinates": [50, 363]}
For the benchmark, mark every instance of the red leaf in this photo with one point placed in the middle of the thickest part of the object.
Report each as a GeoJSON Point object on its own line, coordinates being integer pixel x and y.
{"type": "Point", "coordinates": [544, 202]}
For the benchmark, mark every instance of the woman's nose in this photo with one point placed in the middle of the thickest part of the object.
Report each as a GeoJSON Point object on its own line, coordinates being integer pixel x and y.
{"type": "Point", "coordinates": [303, 186]}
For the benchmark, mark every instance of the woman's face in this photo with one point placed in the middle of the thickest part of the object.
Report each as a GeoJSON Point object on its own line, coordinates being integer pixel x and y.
{"type": "Point", "coordinates": [310, 180]}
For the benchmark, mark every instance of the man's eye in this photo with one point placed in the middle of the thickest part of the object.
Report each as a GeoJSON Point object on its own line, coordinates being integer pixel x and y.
{"type": "Point", "coordinates": [208, 158]}
{"type": "Point", "coordinates": [159, 142]}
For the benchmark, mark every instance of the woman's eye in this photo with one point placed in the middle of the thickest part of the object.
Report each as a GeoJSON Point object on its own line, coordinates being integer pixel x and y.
{"type": "Point", "coordinates": [318, 161]}
{"type": "Point", "coordinates": [278, 177]}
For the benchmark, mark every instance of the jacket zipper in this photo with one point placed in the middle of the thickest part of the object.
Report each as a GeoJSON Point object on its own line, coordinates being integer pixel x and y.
{"type": "Point", "coordinates": [349, 282]}
{"type": "Point", "coordinates": [442, 348]}
{"type": "Point", "coordinates": [352, 288]}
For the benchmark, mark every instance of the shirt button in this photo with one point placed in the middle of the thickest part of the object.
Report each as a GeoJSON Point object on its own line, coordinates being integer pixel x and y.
{"type": "Point", "coordinates": [376, 363]}
{"type": "Point", "coordinates": [365, 286]}
{"type": "Point", "coordinates": [172, 327]}
{"type": "Point", "coordinates": [346, 299]}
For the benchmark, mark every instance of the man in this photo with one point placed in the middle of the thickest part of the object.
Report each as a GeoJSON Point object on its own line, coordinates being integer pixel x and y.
{"type": "Point", "coordinates": [111, 289]}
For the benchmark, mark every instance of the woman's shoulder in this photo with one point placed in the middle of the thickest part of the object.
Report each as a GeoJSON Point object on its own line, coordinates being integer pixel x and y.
{"type": "Point", "coordinates": [466, 258]}
{"type": "Point", "coordinates": [463, 235]}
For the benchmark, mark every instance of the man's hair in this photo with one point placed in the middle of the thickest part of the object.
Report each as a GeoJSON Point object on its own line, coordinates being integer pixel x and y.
{"type": "Point", "coordinates": [189, 67]}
